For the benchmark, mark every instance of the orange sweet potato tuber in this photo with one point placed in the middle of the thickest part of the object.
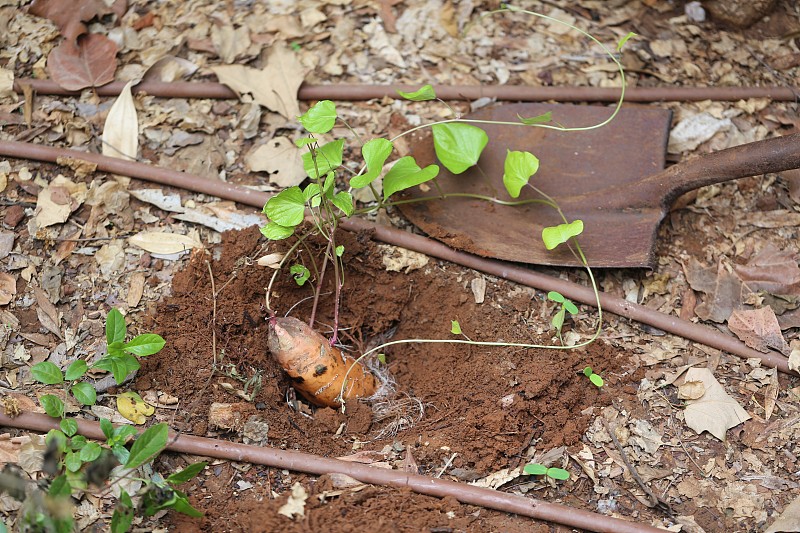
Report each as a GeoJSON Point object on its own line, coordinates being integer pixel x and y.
{"type": "Point", "coordinates": [316, 368]}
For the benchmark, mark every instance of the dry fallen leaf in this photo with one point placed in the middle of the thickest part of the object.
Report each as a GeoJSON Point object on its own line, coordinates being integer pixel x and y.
{"type": "Point", "coordinates": [499, 478]}
{"type": "Point", "coordinates": [121, 129]}
{"type": "Point", "coordinates": [723, 289]}
{"type": "Point", "coordinates": [8, 288]}
{"type": "Point", "coordinates": [771, 394]}
{"type": "Point", "coordinates": [70, 15]}
{"type": "Point", "coordinates": [170, 68]}
{"type": "Point", "coordinates": [758, 329]}
{"type": "Point", "coordinates": [279, 157]}
{"type": "Point", "coordinates": [7, 83]}
{"type": "Point", "coordinates": [772, 270]}
{"type": "Point", "coordinates": [158, 242]}
{"type": "Point", "coordinates": [794, 356]}
{"type": "Point", "coordinates": [715, 412]}
{"type": "Point", "coordinates": [275, 87]}
{"type": "Point", "coordinates": [296, 504]}
{"type": "Point", "coordinates": [272, 260]}
{"type": "Point", "coordinates": [691, 390]}
{"type": "Point", "coordinates": [89, 63]}
{"type": "Point", "coordinates": [135, 289]}
{"type": "Point", "coordinates": [131, 406]}
{"type": "Point", "coordinates": [789, 519]}
{"type": "Point", "coordinates": [56, 201]}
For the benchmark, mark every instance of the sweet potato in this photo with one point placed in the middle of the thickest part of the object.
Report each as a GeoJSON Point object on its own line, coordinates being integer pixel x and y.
{"type": "Point", "coordinates": [316, 368]}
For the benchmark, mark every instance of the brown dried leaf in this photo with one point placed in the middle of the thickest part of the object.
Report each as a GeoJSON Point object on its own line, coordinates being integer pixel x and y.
{"type": "Point", "coordinates": [792, 179]}
{"type": "Point", "coordinates": [281, 158]}
{"type": "Point", "coordinates": [121, 129]}
{"type": "Point", "coordinates": [136, 289]}
{"type": "Point", "coordinates": [691, 390]}
{"type": "Point", "coordinates": [47, 312]}
{"type": "Point", "coordinates": [715, 411]}
{"type": "Point", "coordinates": [8, 288]}
{"type": "Point", "coordinates": [169, 69]}
{"type": "Point", "coordinates": [771, 394]}
{"type": "Point", "coordinates": [758, 329]}
{"type": "Point", "coordinates": [70, 15]}
{"type": "Point", "coordinates": [789, 520]}
{"type": "Point", "coordinates": [723, 289]}
{"type": "Point", "coordinates": [275, 87]}
{"type": "Point", "coordinates": [771, 270]}
{"type": "Point", "coordinates": [89, 63]}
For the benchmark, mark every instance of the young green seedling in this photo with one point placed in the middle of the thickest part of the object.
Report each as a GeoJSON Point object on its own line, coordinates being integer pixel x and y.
{"type": "Point", "coordinates": [594, 378]}
{"type": "Point", "coordinates": [455, 329]}
{"type": "Point", "coordinates": [536, 469]}
{"type": "Point", "coordinates": [566, 307]}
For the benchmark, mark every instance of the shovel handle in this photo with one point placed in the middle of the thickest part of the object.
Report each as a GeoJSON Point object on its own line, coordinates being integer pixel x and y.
{"type": "Point", "coordinates": [751, 159]}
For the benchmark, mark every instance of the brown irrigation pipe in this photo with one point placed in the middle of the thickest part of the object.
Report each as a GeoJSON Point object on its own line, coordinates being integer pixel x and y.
{"type": "Point", "coordinates": [314, 464]}
{"type": "Point", "coordinates": [612, 304]}
{"type": "Point", "coordinates": [520, 93]}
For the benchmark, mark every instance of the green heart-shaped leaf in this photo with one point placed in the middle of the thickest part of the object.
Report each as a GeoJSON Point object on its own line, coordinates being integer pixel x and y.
{"type": "Point", "coordinates": [458, 146]}
{"type": "Point", "coordinates": [555, 235]}
{"type": "Point", "coordinates": [320, 117]}
{"type": "Point", "coordinates": [406, 173]}
{"type": "Point", "coordinates": [375, 153]}
{"type": "Point", "coordinates": [518, 169]}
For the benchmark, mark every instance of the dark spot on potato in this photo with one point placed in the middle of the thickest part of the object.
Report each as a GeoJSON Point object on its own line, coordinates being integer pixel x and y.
{"type": "Point", "coordinates": [319, 370]}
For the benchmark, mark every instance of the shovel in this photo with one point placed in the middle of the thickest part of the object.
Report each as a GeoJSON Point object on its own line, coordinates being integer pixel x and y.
{"type": "Point", "coordinates": [612, 178]}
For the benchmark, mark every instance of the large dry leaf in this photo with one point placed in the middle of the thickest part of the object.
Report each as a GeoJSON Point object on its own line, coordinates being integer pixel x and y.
{"type": "Point", "coordinates": [779, 218]}
{"type": "Point", "coordinates": [56, 201]}
{"type": "Point", "coordinates": [772, 270]}
{"type": "Point", "coordinates": [170, 68]}
{"type": "Point", "coordinates": [275, 87]}
{"type": "Point", "coordinates": [89, 63]}
{"type": "Point", "coordinates": [758, 329]}
{"type": "Point", "coordinates": [121, 130]}
{"type": "Point", "coordinates": [8, 288]}
{"type": "Point", "coordinates": [789, 519]}
{"type": "Point", "coordinates": [723, 289]}
{"type": "Point", "coordinates": [221, 216]}
{"type": "Point", "coordinates": [792, 180]}
{"type": "Point", "coordinates": [230, 42]}
{"type": "Point", "coordinates": [715, 411]}
{"type": "Point", "coordinates": [281, 158]}
{"type": "Point", "coordinates": [70, 15]}
{"type": "Point", "coordinates": [7, 84]}
{"type": "Point", "coordinates": [157, 242]}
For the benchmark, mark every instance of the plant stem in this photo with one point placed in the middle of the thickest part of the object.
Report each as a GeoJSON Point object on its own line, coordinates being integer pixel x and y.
{"type": "Point", "coordinates": [318, 289]}
{"type": "Point", "coordinates": [458, 195]}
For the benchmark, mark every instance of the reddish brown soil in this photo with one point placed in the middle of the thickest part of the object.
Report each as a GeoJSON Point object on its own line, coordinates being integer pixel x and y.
{"type": "Point", "coordinates": [461, 387]}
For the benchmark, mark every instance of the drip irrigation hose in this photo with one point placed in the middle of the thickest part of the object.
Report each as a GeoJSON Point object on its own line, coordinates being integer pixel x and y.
{"type": "Point", "coordinates": [314, 464]}
{"type": "Point", "coordinates": [356, 92]}
{"type": "Point", "coordinates": [502, 269]}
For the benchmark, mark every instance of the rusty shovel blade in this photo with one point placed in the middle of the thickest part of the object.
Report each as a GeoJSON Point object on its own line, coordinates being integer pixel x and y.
{"type": "Point", "coordinates": [612, 178]}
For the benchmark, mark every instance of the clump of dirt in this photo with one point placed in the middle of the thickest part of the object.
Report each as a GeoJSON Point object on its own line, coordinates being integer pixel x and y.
{"type": "Point", "coordinates": [484, 406]}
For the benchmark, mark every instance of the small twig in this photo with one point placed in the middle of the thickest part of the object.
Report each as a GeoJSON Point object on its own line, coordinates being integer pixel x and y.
{"type": "Point", "coordinates": [214, 313]}
{"type": "Point", "coordinates": [90, 239]}
{"type": "Point", "coordinates": [23, 204]}
{"type": "Point", "coordinates": [655, 501]}
{"type": "Point", "coordinates": [446, 465]}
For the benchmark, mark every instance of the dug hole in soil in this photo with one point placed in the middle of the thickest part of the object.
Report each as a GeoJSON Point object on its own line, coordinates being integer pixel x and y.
{"type": "Point", "coordinates": [485, 408]}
